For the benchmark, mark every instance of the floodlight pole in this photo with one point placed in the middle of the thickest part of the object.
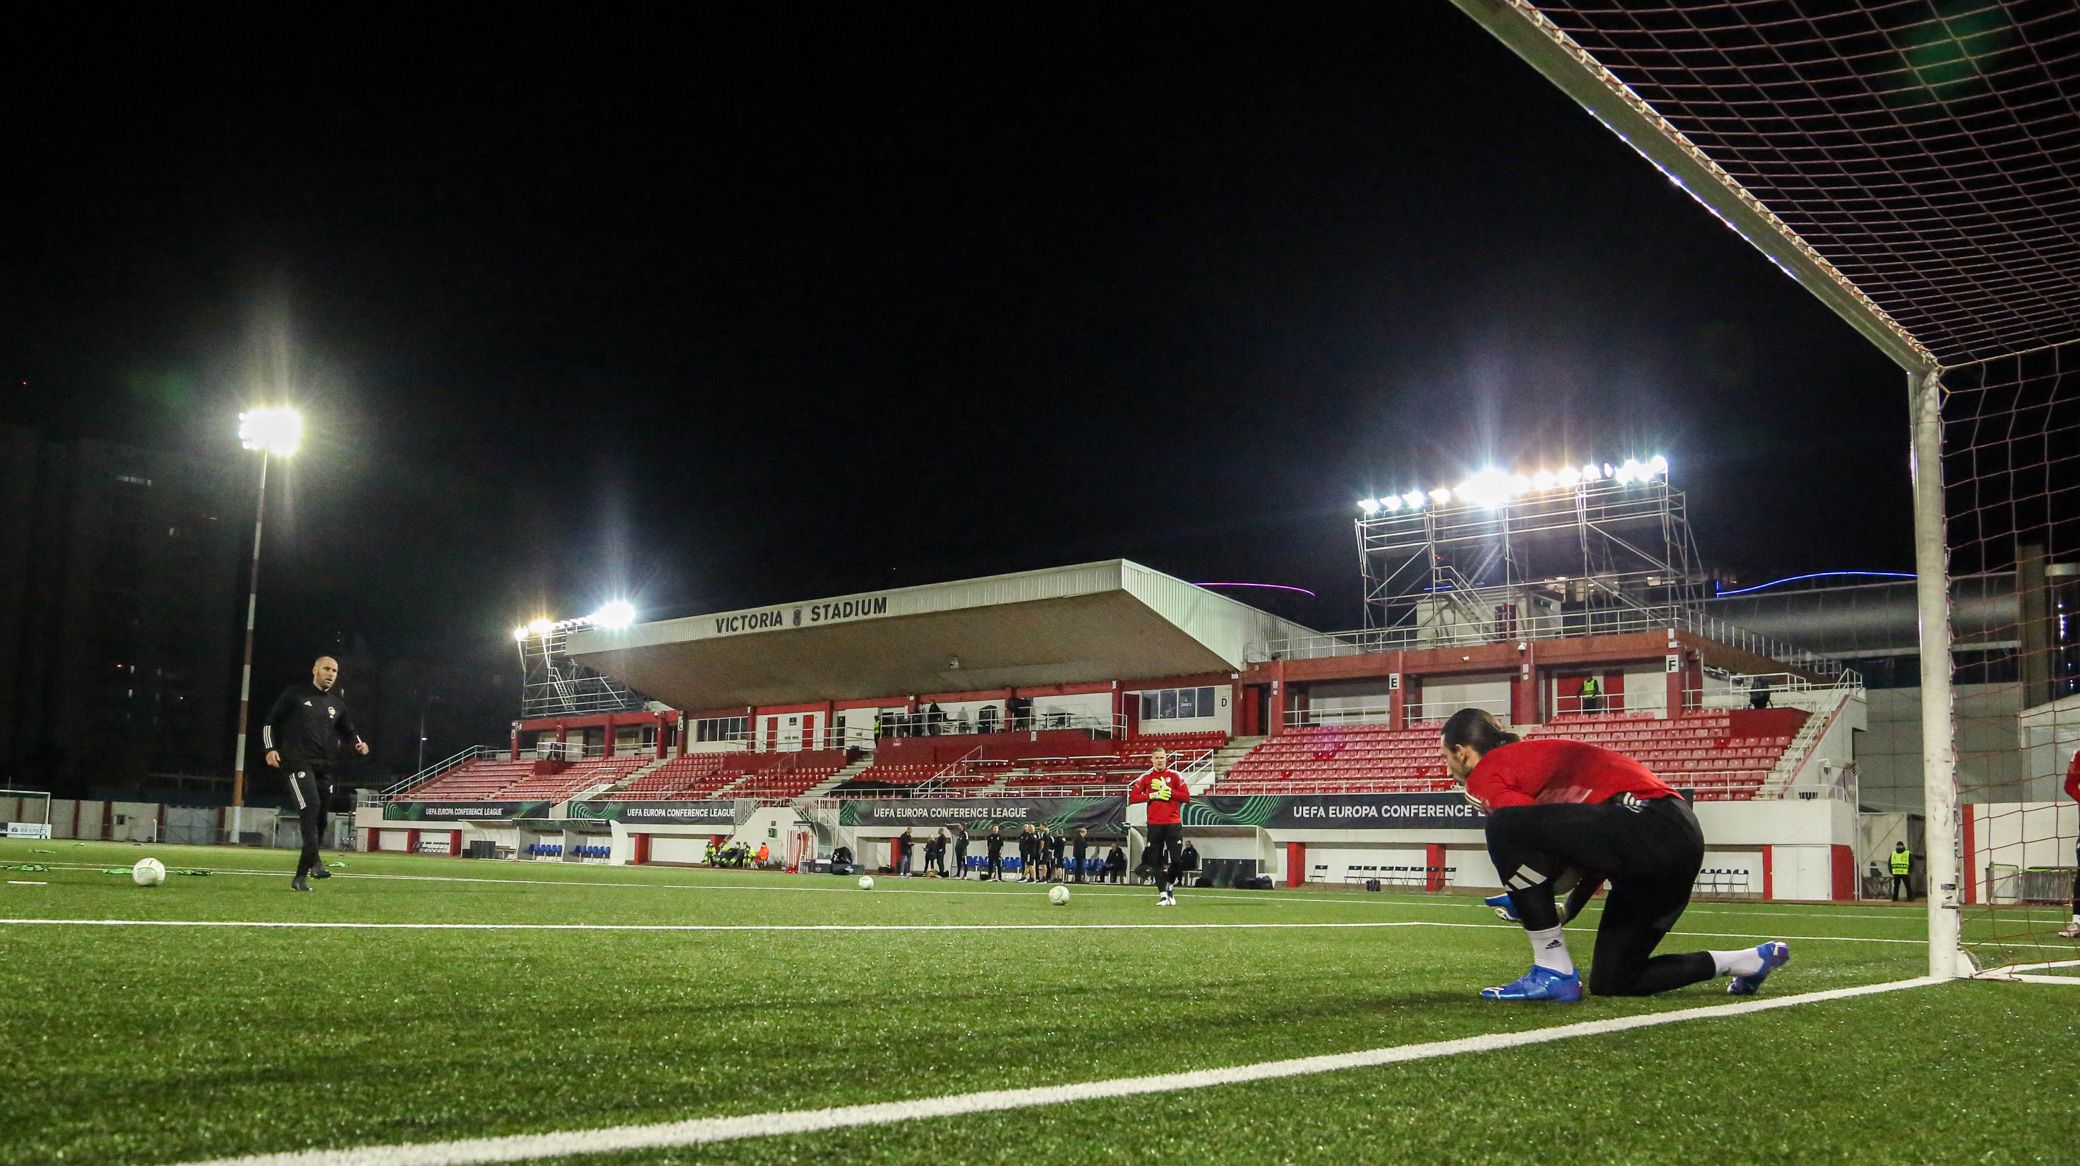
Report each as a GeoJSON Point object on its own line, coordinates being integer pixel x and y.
{"type": "Point", "coordinates": [245, 679]}
{"type": "Point", "coordinates": [1938, 733]}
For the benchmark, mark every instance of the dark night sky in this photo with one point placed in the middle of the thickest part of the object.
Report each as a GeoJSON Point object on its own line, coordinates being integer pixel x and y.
{"type": "Point", "coordinates": [741, 309]}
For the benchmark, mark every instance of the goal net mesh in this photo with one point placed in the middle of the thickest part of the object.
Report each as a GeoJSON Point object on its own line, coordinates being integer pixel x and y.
{"type": "Point", "coordinates": [1915, 164]}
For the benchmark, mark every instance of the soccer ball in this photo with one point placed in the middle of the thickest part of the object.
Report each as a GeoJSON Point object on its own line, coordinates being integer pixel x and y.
{"type": "Point", "coordinates": [866, 882]}
{"type": "Point", "coordinates": [149, 872]}
{"type": "Point", "coordinates": [1059, 896]}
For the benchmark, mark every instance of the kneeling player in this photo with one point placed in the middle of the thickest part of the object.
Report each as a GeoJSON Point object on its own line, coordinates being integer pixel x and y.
{"type": "Point", "coordinates": [1556, 806]}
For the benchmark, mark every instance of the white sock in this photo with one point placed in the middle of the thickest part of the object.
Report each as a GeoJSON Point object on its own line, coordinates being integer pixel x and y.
{"type": "Point", "coordinates": [1745, 962]}
{"type": "Point", "coordinates": [1549, 950]}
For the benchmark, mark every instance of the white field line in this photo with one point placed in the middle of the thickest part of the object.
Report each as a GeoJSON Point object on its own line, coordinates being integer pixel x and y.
{"type": "Point", "coordinates": [344, 925]}
{"type": "Point", "coordinates": [1275, 898]}
{"type": "Point", "coordinates": [703, 1131]}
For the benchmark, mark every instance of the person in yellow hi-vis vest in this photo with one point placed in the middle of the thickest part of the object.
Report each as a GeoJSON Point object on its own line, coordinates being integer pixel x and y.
{"type": "Point", "coordinates": [1902, 866]}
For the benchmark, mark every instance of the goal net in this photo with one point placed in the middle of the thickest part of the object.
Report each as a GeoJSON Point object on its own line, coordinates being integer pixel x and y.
{"type": "Point", "coordinates": [1911, 166]}
{"type": "Point", "coordinates": [2011, 469]}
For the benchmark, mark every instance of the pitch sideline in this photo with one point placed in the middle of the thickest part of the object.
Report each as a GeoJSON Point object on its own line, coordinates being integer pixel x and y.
{"type": "Point", "coordinates": [704, 1131]}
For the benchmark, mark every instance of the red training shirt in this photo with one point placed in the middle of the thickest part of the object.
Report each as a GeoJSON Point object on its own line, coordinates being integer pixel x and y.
{"type": "Point", "coordinates": [1550, 770]}
{"type": "Point", "coordinates": [1165, 792]}
{"type": "Point", "coordinates": [2073, 778]}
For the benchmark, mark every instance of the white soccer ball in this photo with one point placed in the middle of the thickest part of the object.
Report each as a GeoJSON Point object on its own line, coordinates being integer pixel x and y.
{"type": "Point", "coordinates": [866, 882]}
{"type": "Point", "coordinates": [1059, 896]}
{"type": "Point", "coordinates": [149, 872]}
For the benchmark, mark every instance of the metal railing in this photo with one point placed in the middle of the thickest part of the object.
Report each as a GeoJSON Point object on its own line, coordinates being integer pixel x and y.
{"type": "Point", "coordinates": [1608, 621]}
{"type": "Point", "coordinates": [391, 791]}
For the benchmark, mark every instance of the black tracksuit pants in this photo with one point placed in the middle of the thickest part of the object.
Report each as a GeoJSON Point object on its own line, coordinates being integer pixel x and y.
{"type": "Point", "coordinates": [310, 788]}
{"type": "Point", "coordinates": [1164, 857]}
{"type": "Point", "coordinates": [1649, 849]}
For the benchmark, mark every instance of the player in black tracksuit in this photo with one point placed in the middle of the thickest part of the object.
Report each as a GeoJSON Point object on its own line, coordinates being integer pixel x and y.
{"type": "Point", "coordinates": [302, 735]}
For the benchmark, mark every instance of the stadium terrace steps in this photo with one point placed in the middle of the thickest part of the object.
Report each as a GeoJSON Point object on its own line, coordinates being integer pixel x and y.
{"type": "Point", "coordinates": [1720, 755]}
{"type": "Point", "coordinates": [1342, 758]}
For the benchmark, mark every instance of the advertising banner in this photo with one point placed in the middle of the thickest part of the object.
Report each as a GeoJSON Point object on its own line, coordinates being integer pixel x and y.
{"type": "Point", "coordinates": [463, 811]}
{"type": "Point", "coordinates": [649, 813]}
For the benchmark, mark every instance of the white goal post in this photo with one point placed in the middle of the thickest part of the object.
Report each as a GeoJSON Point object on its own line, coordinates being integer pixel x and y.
{"type": "Point", "coordinates": [25, 813]}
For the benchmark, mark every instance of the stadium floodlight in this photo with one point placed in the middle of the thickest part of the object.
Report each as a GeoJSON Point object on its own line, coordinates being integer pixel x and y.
{"type": "Point", "coordinates": [1390, 503]}
{"type": "Point", "coordinates": [1590, 472]}
{"type": "Point", "coordinates": [1488, 489]}
{"type": "Point", "coordinates": [277, 431]}
{"type": "Point", "coordinates": [1543, 480]}
{"type": "Point", "coordinates": [1414, 499]}
{"type": "Point", "coordinates": [520, 633]}
{"type": "Point", "coordinates": [1659, 465]}
{"type": "Point", "coordinates": [616, 615]}
{"type": "Point", "coordinates": [1627, 472]}
{"type": "Point", "coordinates": [1568, 478]}
{"type": "Point", "coordinates": [1368, 507]}
{"type": "Point", "coordinates": [540, 627]}
{"type": "Point", "coordinates": [1441, 495]}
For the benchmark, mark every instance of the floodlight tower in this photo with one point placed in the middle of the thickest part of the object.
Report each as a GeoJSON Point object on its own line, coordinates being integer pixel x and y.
{"type": "Point", "coordinates": [553, 684]}
{"type": "Point", "coordinates": [1506, 555]}
{"type": "Point", "coordinates": [276, 433]}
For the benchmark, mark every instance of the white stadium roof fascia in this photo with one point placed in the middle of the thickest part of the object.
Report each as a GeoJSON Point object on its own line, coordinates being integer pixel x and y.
{"type": "Point", "coordinates": [1110, 620]}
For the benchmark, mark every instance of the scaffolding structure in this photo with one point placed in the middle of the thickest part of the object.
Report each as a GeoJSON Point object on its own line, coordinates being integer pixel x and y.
{"type": "Point", "coordinates": [1466, 565]}
{"type": "Point", "coordinates": [553, 684]}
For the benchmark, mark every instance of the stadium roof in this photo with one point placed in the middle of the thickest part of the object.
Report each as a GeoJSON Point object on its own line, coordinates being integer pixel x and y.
{"type": "Point", "coordinates": [1915, 164]}
{"type": "Point", "coordinates": [1113, 620]}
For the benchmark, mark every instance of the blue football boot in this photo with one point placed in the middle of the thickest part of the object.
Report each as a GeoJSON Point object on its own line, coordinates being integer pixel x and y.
{"type": "Point", "coordinates": [1539, 984]}
{"type": "Point", "coordinates": [1775, 954]}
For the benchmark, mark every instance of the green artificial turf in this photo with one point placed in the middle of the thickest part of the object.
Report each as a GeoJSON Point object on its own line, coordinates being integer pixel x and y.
{"type": "Point", "coordinates": [145, 1045]}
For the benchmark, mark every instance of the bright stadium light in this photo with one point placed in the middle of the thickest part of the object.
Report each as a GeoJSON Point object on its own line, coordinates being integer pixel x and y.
{"type": "Point", "coordinates": [1368, 507]}
{"type": "Point", "coordinates": [1590, 473]}
{"type": "Point", "coordinates": [520, 633]}
{"type": "Point", "coordinates": [277, 431]}
{"type": "Point", "coordinates": [1390, 503]}
{"type": "Point", "coordinates": [540, 627]}
{"type": "Point", "coordinates": [1627, 472]}
{"type": "Point", "coordinates": [1568, 478]}
{"type": "Point", "coordinates": [1488, 489]}
{"type": "Point", "coordinates": [616, 615]}
{"type": "Point", "coordinates": [1543, 480]}
{"type": "Point", "coordinates": [1414, 499]}
{"type": "Point", "coordinates": [1659, 465]}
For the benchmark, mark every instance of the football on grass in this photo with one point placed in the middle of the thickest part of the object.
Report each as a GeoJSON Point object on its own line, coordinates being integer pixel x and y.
{"type": "Point", "coordinates": [149, 872]}
{"type": "Point", "coordinates": [1059, 896]}
{"type": "Point", "coordinates": [866, 882]}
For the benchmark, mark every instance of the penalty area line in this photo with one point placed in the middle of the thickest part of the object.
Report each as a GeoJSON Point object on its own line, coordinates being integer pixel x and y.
{"type": "Point", "coordinates": [704, 1131]}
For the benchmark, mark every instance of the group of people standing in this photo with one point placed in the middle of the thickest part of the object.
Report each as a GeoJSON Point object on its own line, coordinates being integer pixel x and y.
{"type": "Point", "coordinates": [1043, 854]}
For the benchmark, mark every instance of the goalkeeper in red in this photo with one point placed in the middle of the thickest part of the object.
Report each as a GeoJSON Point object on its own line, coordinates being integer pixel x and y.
{"type": "Point", "coordinates": [1557, 807]}
{"type": "Point", "coordinates": [1164, 790]}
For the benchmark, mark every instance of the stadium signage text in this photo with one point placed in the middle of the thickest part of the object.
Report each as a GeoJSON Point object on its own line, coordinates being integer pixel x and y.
{"type": "Point", "coordinates": [834, 611]}
{"type": "Point", "coordinates": [462, 811]}
{"type": "Point", "coordinates": [645, 813]}
{"type": "Point", "coordinates": [1338, 812]}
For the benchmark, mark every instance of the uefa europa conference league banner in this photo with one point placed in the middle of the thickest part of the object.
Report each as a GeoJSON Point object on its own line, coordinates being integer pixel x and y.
{"type": "Point", "coordinates": [705, 813]}
{"type": "Point", "coordinates": [464, 811]}
{"type": "Point", "coordinates": [1104, 816]}
{"type": "Point", "coordinates": [1109, 815]}
{"type": "Point", "coordinates": [1337, 812]}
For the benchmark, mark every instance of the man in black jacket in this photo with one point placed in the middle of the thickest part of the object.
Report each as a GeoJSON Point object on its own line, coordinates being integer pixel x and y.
{"type": "Point", "coordinates": [302, 734]}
